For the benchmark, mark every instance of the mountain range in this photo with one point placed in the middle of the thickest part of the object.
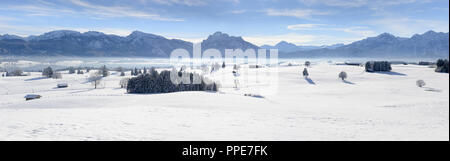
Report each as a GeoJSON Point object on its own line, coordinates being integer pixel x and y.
{"type": "Point", "coordinates": [140, 44]}
{"type": "Point", "coordinates": [284, 46]}
{"type": "Point", "coordinates": [430, 44]}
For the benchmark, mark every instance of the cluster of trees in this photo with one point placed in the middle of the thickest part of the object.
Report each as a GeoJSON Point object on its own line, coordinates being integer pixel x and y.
{"type": "Point", "coordinates": [16, 72]}
{"type": "Point", "coordinates": [154, 82]}
{"type": "Point", "coordinates": [442, 66]}
{"type": "Point", "coordinates": [375, 66]}
{"type": "Point", "coordinates": [136, 71]}
{"type": "Point", "coordinates": [50, 73]}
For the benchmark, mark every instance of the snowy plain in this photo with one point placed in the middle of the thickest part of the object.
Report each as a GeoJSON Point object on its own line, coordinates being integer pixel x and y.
{"type": "Point", "coordinates": [369, 106]}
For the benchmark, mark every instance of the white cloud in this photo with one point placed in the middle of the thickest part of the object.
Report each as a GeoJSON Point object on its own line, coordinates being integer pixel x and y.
{"type": "Point", "coordinates": [304, 26]}
{"type": "Point", "coordinates": [181, 2]}
{"type": "Point", "coordinates": [360, 3]}
{"type": "Point", "coordinates": [407, 27]}
{"type": "Point", "coordinates": [299, 39]}
{"type": "Point", "coordinates": [39, 10]}
{"type": "Point", "coordinates": [237, 11]}
{"type": "Point", "coordinates": [357, 30]}
{"type": "Point", "coordinates": [44, 8]}
{"type": "Point", "coordinates": [298, 13]}
{"type": "Point", "coordinates": [25, 31]}
{"type": "Point", "coordinates": [116, 11]}
{"type": "Point", "coordinates": [336, 3]}
{"type": "Point", "coordinates": [189, 2]}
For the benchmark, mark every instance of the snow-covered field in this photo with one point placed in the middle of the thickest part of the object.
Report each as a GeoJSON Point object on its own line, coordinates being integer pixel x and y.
{"type": "Point", "coordinates": [370, 106]}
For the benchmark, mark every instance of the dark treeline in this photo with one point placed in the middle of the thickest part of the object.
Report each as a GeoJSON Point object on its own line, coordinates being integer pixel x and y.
{"type": "Point", "coordinates": [442, 66]}
{"type": "Point", "coordinates": [154, 82]}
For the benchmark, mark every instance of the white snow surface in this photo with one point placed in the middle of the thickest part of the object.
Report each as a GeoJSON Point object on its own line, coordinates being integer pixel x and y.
{"type": "Point", "coordinates": [370, 106]}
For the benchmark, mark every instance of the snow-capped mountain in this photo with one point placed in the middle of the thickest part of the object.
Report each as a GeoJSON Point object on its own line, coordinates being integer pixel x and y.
{"type": "Point", "coordinates": [430, 44]}
{"type": "Point", "coordinates": [284, 46]}
{"type": "Point", "coordinates": [222, 41]}
{"type": "Point", "coordinates": [92, 43]}
{"type": "Point", "coordinates": [9, 37]}
{"type": "Point", "coordinates": [140, 44]}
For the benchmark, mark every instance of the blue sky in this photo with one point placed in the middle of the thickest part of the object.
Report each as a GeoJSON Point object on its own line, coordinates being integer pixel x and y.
{"type": "Point", "coordinates": [303, 22]}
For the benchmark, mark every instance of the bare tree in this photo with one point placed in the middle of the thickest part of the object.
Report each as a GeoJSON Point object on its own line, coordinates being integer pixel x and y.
{"type": "Point", "coordinates": [56, 75]}
{"type": "Point", "coordinates": [95, 78]}
{"type": "Point", "coordinates": [343, 75]}
{"type": "Point", "coordinates": [124, 82]}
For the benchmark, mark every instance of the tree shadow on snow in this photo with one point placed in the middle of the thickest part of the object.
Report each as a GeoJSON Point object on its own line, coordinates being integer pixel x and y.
{"type": "Point", "coordinates": [310, 81]}
{"type": "Point", "coordinates": [432, 89]}
{"type": "Point", "coordinates": [87, 90]}
{"type": "Point", "coordinates": [348, 82]}
{"type": "Point", "coordinates": [391, 73]}
{"type": "Point", "coordinates": [37, 78]}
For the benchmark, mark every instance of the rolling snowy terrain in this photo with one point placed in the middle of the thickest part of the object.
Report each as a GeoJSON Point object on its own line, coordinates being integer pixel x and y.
{"type": "Point", "coordinates": [369, 106]}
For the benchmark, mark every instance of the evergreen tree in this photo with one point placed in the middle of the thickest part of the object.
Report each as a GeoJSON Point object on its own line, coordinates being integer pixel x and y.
{"type": "Point", "coordinates": [104, 71]}
{"type": "Point", "coordinates": [71, 70]}
{"type": "Point", "coordinates": [80, 71]}
{"type": "Point", "coordinates": [305, 72]}
{"type": "Point", "coordinates": [136, 71]}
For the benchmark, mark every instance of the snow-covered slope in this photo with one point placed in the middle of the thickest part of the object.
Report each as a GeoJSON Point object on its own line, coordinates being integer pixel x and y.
{"type": "Point", "coordinates": [370, 106]}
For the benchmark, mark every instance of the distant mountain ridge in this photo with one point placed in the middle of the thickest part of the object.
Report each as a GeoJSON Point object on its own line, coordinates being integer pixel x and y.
{"type": "Point", "coordinates": [430, 44]}
{"type": "Point", "coordinates": [284, 46]}
{"type": "Point", "coordinates": [92, 43]}
{"type": "Point", "coordinates": [140, 44]}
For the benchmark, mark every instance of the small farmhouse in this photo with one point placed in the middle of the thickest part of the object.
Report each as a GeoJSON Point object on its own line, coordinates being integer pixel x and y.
{"type": "Point", "coordinates": [32, 96]}
{"type": "Point", "coordinates": [62, 85]}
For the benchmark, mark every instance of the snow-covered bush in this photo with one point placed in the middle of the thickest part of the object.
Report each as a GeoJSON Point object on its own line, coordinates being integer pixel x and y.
{"type": "Point", "coordinates": [343, 75]}
{"type": "Point", "coordinates": [420, 83]}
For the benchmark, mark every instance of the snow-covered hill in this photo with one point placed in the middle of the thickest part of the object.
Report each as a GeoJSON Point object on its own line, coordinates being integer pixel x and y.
{"type": "Point", "coordinates": [369, 106]}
